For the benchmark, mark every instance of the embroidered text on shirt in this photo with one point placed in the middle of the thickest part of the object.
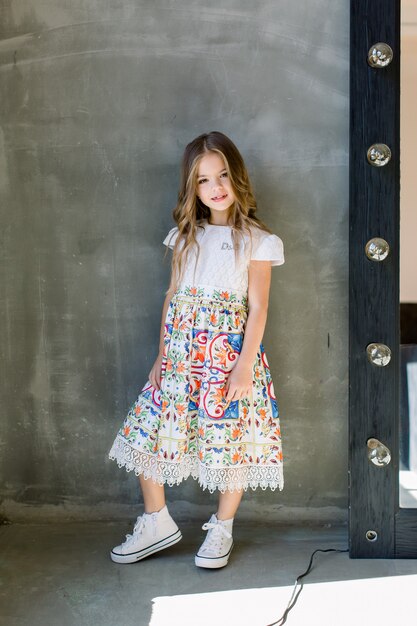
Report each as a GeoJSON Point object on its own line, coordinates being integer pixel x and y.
{"type": "Point", "coordinates": [228, 246]}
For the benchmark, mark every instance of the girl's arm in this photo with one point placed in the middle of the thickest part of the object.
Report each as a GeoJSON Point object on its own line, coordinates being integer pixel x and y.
{"type": "Point", "coordinates": [239, 382]}
{"type": "Point", "coordinates": [164, 312]}
{"type": "Point", "coordinates": [155, 373]}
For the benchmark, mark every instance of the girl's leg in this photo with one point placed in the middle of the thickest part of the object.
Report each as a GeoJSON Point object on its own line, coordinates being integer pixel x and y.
{"type": "Point", "coordinates": [216, 548]}
{"type": "Point", "coordinates": [229, 504]}
{"type": "Point", "coordinates": [153, 494]}
{"type": "Point", "coordinates": [151, 533]}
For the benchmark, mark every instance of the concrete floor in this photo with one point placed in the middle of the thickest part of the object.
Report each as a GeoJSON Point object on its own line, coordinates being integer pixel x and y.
{"type": "Point", "coordinates": [61, 574]}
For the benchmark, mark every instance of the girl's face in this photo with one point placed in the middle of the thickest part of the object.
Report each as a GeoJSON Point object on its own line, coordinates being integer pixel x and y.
{"type": "Point", "coordinates": [213, 184]}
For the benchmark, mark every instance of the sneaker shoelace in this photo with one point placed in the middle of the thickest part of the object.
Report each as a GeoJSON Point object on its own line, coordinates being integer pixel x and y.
{"type": "Point", "coordinates": [215, 537]}
{"type": "Point", "coordinates": [140, 525]}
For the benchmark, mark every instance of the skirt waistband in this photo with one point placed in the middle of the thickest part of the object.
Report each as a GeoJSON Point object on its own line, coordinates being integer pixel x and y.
{"type": "Point", "coordinates": [197, 294]}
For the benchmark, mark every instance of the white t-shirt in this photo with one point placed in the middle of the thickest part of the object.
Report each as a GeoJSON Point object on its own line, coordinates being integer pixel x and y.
{"type": "Point", "coordinates": [216, 264]}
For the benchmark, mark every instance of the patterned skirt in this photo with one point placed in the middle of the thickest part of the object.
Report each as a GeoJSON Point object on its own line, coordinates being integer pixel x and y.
{"type": "Point", "coordinates": [186, 428]}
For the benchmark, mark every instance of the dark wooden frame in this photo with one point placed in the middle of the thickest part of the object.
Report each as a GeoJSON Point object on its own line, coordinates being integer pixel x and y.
{"type": "Point", "coordinates": [374, 289]}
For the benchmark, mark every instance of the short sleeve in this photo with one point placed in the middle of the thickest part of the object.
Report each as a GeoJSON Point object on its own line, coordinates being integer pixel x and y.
{"type": "Point", "coordinates": [171, 237]}
{"type": "Point", "coordinates": [268, 247]}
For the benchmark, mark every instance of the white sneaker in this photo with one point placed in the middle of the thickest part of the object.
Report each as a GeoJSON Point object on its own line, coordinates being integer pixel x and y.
{"type": "Point", "coordinates": [218, 544]}
{"type": "Point", "coordinates": [152, 532]}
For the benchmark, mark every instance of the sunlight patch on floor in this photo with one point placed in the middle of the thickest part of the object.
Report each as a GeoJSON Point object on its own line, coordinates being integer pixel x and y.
{"type": "Point", "coordinates": [389, 600]}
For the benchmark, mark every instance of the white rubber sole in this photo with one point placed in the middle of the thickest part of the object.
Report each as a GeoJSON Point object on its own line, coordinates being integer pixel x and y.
{"type": "Point", "coordinates": [213, 562]}
{"type": "Point", "coordinates": [133, 557]}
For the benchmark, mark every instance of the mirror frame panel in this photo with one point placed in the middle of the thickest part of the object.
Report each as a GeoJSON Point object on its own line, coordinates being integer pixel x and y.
{"type": "Point", "coordinates": [374, 286]}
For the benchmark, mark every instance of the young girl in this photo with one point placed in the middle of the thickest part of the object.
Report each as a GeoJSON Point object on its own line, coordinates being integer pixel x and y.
{"type": "Point", "coordinates": [208, 409]}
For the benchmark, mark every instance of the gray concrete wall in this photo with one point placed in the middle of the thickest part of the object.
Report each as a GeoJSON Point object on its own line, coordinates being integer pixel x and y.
{"type": "Point", "coordinates": [98, 99]}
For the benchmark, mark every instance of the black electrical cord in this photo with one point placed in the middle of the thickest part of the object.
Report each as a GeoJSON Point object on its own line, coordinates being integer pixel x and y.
{"type": "Point", "coordinates": [294, 596]}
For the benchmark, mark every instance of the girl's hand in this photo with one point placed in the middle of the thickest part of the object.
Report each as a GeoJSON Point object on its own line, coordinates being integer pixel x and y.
{"type": "Point", "coordinates": [155, 373]}
{"type": "Point", "coordinates": [239, 382]}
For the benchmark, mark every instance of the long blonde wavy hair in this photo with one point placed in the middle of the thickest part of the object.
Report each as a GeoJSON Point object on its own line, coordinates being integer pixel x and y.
{"type": "Point", "coordinates": [190, 212]}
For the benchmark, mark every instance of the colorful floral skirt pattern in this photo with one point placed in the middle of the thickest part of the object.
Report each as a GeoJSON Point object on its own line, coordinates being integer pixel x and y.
{"type": "Point", "coordinates": [187, 428]}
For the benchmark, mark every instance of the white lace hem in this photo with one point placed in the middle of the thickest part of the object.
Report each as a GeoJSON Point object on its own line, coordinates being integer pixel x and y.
{"type": "Point", "coordinates": [223, 478]}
